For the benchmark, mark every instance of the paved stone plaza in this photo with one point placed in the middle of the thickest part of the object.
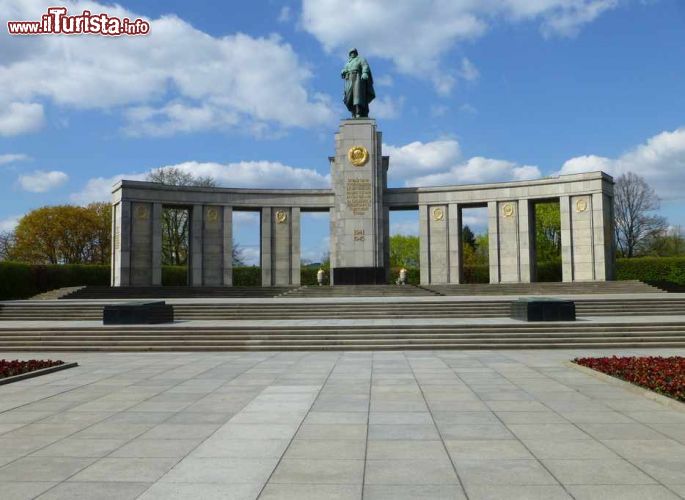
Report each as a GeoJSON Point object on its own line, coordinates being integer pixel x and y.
{"type": "Point", "coordinates": [324, 425]}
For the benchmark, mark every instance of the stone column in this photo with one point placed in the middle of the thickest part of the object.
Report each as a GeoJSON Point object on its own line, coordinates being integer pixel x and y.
{"type": "Point", "coordinates": [280, 244]}
{"type": "Point", "coordinates": [454, 243]}
{"type": "Point", "coordinates": [582, 238]}
{"type": "Point", "coordinates": [526, 223]}
{"type": "Point", "coordinates": [359, 233]}
{"type": "Point", "coordinates": [493, 242]}
{"type": "Point", "coordinates": [436, 244]}
{"type": "Point", "coordinates": [424, 246]}
{"type": "Point", "coordinates": [227, 218]}
{"type": "Point", "coordinates": [157, 244]}
{"type": "Point", "coordinates": [195, 258]}
{"type": "Point", "coordinates": [212, 246]}
{"type": "Point", "coordinates": [603, 235]}
{"type": "Point", "coordinates": [141, 244]}
{"type": "Point", "coordinates": [503, 230]}
{"type": "Point", "coordinates": [121, 244]}
{"type": "Point", "coordinates": [566, 244]}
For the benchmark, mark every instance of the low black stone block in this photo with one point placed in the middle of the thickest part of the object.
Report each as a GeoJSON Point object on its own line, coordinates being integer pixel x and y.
{"type": "Point", "coordinates": [138, 313]}
{"type": "Point", "coordinates": [543, 309]}
{"type": "Point", "coordinates": [359, 276]}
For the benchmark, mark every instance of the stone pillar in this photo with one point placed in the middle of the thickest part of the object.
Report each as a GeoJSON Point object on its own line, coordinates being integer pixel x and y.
{"type": "Point", "coordinates": [603, 235]}
{"type": "Point", "coordinates": [213, 246]}
{"type": "Point", "coordinates": [157, 244]}
{"type": "Point", "coordinates": [141, 244]}
{"type": "Point", "coordinates": [227, 219]}
{"type": "Point", "coordinates": [121, 243]}
{"type": "Point", "coordinates": [437, 247]}
{"type": "Point", "coordinates": [503, 231]}
{"type": "Point", "coordinates": [359, 233]}
{"type": "Point", "coordinates": [280, 246]}
{"type": "Point", "coordinates": [566, 244]}
{"type": "Point", "coordinates": [195, 258]}
{"type": "Point", "coordinates": [526, 223]}
{"type": "Point", "coordinates": [493, 242]}
{"type": "Point", "coordinates": [582, 238]}
{"type": "Point", "coordinates": [454, 242]}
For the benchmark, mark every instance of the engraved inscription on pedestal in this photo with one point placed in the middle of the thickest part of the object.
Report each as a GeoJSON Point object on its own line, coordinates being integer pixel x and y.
{"type": "Point", "coordinates": [358, 195]}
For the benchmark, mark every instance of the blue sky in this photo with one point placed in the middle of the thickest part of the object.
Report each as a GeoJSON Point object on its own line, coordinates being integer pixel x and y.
{"type": "Point", "coordinates": [250, 92]}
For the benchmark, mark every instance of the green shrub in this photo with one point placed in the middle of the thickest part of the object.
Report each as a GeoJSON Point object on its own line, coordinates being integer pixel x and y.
{"type": "Point", "coordinates": [478, 273]}
{"type": "Point", "coordinates": [174, 275]}
{"type": "Point", "coordinates": [20, 281]}
{"type": "Point", "coordinates": [247, 276]}
{"type": "Point", "coordinates": [549, 271]}
{"type": "Point", "coordinates": [652, 269]}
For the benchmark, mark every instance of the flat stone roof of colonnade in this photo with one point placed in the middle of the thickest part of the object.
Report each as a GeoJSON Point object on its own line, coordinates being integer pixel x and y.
{"type": "Point", "coordinates": [323, 199]}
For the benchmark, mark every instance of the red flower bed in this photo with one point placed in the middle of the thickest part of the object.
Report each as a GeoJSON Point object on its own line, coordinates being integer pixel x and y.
{"type": "Point", "coordinates": [10, 368]}
{"type": "Point", "coordinates": [663, 375]}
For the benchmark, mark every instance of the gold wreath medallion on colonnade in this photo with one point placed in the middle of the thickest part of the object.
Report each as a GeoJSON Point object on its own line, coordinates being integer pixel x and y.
{"type": "Point", "coordinates": [358, 156]}
{"type": "Point", "coordinates": [212, 214]}
{"type": "Point", "coordinates": [581, 205]}
{"type": "Point", "coordinates": [142, 212]}
{"type": "Point", "coordinates": [508, 209]}
{"type": "Point", "coordinates": [438, 214]}
{"type": "Point", "coordinates": [281, 216]}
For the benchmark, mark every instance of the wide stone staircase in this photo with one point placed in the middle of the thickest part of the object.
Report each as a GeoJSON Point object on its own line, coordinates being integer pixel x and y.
{"type": "Point", "coordinates": [349, 337]}
{"type": "Point", "coordinates": [279, 309]}
{"type": "Point", "coordinates": [575, 288]}
{"type": "Point", "coordinates": [171, 292]}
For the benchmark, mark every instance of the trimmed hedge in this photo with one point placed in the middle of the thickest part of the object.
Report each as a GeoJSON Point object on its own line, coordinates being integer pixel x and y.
{"type": "Point", "coordinates": [21, 281]}
{"type": "Point", "coordinates": [652, 269]}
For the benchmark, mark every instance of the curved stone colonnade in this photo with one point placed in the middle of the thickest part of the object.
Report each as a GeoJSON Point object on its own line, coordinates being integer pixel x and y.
{"type": "Point", "coordinates": [359, 204]}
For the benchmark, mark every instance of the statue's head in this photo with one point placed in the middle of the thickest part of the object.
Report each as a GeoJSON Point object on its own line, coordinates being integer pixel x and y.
{"type": "Point", "coordinates": [353, 53]}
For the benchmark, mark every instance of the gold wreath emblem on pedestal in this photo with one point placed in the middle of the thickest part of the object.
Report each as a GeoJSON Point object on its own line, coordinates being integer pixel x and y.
{"type": "Point", "coordinates": [281, 216]}
{"type": "Point", "coordinates": [212, 214]}
{"type": "Point", "coordinates": [142, 212]}
{"type": "Point", "coordinates": [358, 156]}
{"type": "Point", "coordinates": [508, 210]}
{"type": "Point", "coordinates": [438, 214]}
{"type": "Point", "coordinates": [581, 205]}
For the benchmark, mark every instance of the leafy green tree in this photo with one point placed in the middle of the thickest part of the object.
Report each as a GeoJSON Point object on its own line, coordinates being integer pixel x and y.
{"type": "Point", "coordinates": [468, 237]}
{"type": "Point", "coordinates": [547, 231]}
{"type": "Point", "coordinates": [404, 251]}
{"type": "Point", "coordinates": [64, 234]}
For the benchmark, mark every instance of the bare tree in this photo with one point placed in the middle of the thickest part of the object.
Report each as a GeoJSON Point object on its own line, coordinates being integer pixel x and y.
{"type": "Point", "coordinates": [634, 202]}
{"type": "Point", "coordinates": [7, 242]}
{"type": "Point", "coordinates": [175, 221]}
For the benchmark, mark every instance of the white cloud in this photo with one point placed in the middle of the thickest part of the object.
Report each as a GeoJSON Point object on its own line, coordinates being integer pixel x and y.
{"type": "Point", "coordinates": [468, 70]}
{"type": "Point", "coordinates": [387, 108]}
{"type": "Point", "coordinates": [284, 14]}
{"type": "Point", "coordinates": [246, 174]}
{"type": "Point", "coordinates": [660, 160]}
{"type": "Point", "coordinates": [19, 118]}
{"type": "Point", "coordinates": [405, 227]}
{"type": "Point", "coordinates": [9, 223]}
{"type": "Point", "coordinates": [417, 158]}
{"type": "Point", "coordinates": [176, 79]}
{"type": "Point", "coordinates": [439, 163]}
{"type": "Point", "coordinates": [41, 181]}
{"type": "Point", "coordinates": [416, 36]}
{"type": "Point", "coordinates": [478, 170]}
{"type": "Point", "coordinates": [6, 159]}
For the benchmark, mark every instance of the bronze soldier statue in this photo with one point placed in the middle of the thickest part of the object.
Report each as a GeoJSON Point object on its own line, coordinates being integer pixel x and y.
{"type": "Point", "coordinates": [358, 85]}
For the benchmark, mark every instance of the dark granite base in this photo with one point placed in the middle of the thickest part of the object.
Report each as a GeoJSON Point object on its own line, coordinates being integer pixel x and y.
{"type": "Point", "coordinates": [138, 313]}
{"type": "Point", "coordinates": [359, 276]}
{"type": "Point", "coordinates": [543, 309]}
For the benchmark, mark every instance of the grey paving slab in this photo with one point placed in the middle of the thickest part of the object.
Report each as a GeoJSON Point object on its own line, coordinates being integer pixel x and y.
{"type": "Point", "coordinates": [513, 424]}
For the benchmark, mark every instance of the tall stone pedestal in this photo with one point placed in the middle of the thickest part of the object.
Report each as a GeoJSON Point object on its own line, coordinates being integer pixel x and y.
{"type": "Point", "coordinates": [359, 234]}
